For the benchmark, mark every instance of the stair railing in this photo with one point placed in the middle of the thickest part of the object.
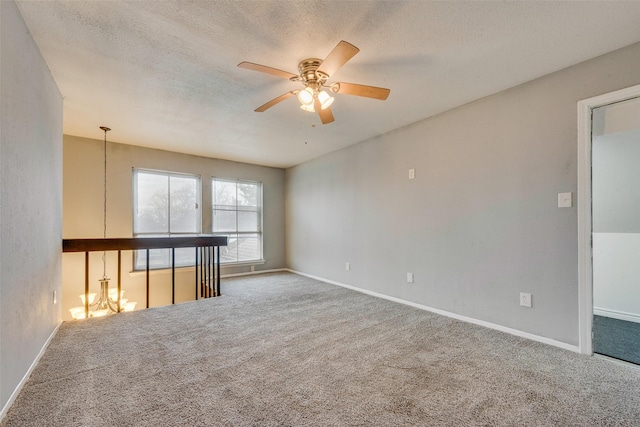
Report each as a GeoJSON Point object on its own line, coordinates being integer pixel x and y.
{"type": "Point", "coordinates": [207, 260]}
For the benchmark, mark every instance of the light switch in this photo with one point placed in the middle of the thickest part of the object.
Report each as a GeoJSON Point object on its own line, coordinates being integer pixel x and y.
{"type": "Point", "coordinates": [409, 277]}
{"type": "Point", "coordinates": [565, 200]}
{"type": "Point", "coordinates": [412, 173]}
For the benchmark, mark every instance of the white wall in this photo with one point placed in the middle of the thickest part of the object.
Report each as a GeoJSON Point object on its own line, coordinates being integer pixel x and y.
{"type": "Point", "coordinates": [615, 177]}
{"type": "Point", "coordinates": [83, 213]}
{"type": "Point", "coordinates": [479, 224]}
{"type": "Point", "coordinates": [31, 204]}
{"type": "Point", "coordinates": [616, 275]}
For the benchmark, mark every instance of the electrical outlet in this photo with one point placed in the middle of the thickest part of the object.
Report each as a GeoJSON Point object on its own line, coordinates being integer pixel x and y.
{"type": "Point", "coordinates": [55, 297]}
{"type": "Point", "coordinates": [347, 266]}
{"type": "Point", "coordinates": [412, 173]}
{"type": "Point", "coordinates": [525, 299]}
{"type": "Point", "coordinates": [409, 277]}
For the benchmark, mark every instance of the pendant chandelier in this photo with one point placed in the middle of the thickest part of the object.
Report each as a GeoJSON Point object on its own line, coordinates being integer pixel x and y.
{"type": "Point", "coordinates": [108, 300]}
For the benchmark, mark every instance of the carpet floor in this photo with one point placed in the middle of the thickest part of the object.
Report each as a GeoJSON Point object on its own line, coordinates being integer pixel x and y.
{"type": "Point", "coordinates": [617, 338]}
{"type": "Point", "coordinates": [284, 350]}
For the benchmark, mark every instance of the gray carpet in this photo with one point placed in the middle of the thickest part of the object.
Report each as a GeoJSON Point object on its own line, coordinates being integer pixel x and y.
{"type": "Point", "coordinates": [284, 350]}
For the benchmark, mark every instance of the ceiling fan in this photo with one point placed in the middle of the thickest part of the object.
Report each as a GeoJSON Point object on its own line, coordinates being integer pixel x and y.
{"type": "Point", "coordinates": [314, 74]}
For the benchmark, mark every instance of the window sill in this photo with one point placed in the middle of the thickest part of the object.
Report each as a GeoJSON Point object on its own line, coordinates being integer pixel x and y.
{"type": "Point", "coordinates": [191, 268]}
{"type": "Point", "coordinates": [243, 263]}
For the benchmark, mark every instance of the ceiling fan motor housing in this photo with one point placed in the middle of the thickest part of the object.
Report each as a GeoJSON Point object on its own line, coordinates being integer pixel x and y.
{"type": "Point", "coordinates": [309, 74]}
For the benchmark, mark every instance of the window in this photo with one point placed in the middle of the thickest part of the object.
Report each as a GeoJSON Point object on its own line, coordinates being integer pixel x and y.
{"type": "Point", "coordinates": [165, 204]}
{"type": "Point", "coordinates": [237, 214]}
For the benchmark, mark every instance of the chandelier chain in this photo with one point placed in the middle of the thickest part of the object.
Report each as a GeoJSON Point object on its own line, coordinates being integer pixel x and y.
{"type": "Point", "coordinates": [104, 216]}
{"type": "Point", "coordinates": [104, 213]}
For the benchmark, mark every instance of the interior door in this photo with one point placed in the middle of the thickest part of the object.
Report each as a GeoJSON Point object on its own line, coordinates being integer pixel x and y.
{"type": "Point", "coordinates": [615, 181]}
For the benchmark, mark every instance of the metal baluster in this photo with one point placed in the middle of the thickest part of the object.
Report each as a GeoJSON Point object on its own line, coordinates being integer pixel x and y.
{"type": "Point", "coordinates": [147, 278]}
{"type": "Point", "coordinates": [196, 273]}
{"type": "Point", "coordinates": [119, 279]}
{"type": "Point", "coordinates": [86, 285]}
{"type": "Point", "coordinates": [218, 275]}
{"type": "Point", "coordinates": [212, 265]}
{"type": "Point", "coordinates": [214, 283]}
{"type": "Point", "coordinates": [206, 269]}
{"type": "Point", "coordinates": [173, 275]}
{"type": "Point", "coordinates": [201, 271]}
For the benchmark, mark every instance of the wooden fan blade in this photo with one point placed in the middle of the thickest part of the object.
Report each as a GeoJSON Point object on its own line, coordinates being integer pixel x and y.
{"type": "Point", "coordinates": [363, 90]}
{"type": "Point", "coordinates": [268, 70]}
{"type": "Point", "coordinates": [273, 102]}
{"type": "Point", "coordinates": [337, 58]}
{"type": "Point", "coordinates": [326, 116]}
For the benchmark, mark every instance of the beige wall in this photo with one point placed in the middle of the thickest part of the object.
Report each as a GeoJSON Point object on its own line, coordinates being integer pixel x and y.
{"type": "Point", "coordinates": [31, 203]}
{"type": "Point", "coordinates": [83, 212]}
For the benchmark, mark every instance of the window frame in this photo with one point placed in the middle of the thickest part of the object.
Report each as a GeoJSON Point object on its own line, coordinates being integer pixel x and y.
{"type": "Point", "coordinates": [134, 210]}
{"type": "Point", "coordinates": [259, 209]}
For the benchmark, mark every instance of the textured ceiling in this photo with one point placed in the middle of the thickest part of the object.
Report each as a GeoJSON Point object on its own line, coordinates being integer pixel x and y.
{"type": "Point", "coordinates": [163, 73]}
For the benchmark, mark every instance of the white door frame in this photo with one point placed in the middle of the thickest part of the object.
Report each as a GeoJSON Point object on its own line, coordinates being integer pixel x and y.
{"type": "Point", "coordinates": [585, 226]}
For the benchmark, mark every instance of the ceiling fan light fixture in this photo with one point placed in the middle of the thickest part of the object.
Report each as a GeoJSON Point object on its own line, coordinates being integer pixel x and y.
{"type": "Point", "coordinates": [308, 108]}
{"type": "Point", "coordinates": [305, 96]}
{"type": "Point", "coordinates": [315, 95]}
{"type": "Point", "coordinates": [325, 100]}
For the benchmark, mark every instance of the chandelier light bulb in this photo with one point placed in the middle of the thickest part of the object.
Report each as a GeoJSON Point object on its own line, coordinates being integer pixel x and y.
{"type": "Point", "coordinates": [92, 297]}
{"type": "Point", "coordinates": [308, 108]}
{"type": "Point", "coordinates": [325, 100]}
{"type": "Point", "coordinates": [77, 312]}
{"type": "Point", "coordinates": [129, 306]}
{"type": "Point", "coordinates": [305, 96]}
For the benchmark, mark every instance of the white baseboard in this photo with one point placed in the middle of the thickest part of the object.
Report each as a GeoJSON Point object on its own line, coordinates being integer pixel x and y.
{"type": "Point", "coordinates": [251, 273]}
{"type": "Point", "coordinates": [614, 314]}
{"type": "Point", "coordinates": [489, 325]}
{"type": "Point", "coordinates": [26, 376]}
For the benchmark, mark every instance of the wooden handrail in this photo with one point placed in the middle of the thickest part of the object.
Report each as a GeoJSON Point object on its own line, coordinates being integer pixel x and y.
{"type": "Point", "coordinates": [207, 274]}
{"type": "Point", "coordinates": [124, 244]}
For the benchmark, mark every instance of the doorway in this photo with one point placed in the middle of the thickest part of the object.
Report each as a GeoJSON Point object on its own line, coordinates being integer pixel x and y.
{"type": "Point", "coordinates": [615, 207]}
{"type": "Point", "coordinates": [609, 225]}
